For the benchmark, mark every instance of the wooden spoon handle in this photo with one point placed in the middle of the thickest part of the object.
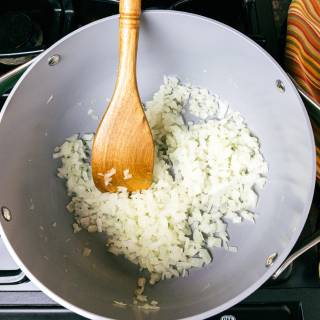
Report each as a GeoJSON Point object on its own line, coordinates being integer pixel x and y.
{"type": "Point", "coordinates": [130, 11]}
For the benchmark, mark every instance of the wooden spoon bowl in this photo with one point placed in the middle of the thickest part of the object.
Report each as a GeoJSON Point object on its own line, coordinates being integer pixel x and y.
{"type": "Point", "coordinates": [123, 140]}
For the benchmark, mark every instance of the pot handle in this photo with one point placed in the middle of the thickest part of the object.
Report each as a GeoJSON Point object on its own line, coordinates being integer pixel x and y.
{"type": "Point", "coordinates": [311, 242]}
{"type": "Point", "coordinates": [12, 277]}
{"type": "Point", "coordinates": [9, 79]}
{"type": "Point", "coordinates": [304, 95]}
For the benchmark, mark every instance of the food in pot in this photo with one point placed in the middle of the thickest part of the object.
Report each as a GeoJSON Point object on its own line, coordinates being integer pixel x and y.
{"type": "Point", "coordinates": [207, 172]}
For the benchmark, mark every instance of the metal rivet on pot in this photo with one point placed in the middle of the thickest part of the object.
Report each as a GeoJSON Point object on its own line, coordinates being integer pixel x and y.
{"type": "Point", "coordinates": [280, 86]}
{"type": "Point", "coordinates": [270, 260]}
{"type": "Point", "coordinates": [6, 213]}
{"type": "Point", "coordinates": [53, 60]}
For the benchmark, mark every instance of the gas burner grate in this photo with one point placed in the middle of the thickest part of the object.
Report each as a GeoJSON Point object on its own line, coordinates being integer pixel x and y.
{"type": "Point", "coordinates": [29, 27]}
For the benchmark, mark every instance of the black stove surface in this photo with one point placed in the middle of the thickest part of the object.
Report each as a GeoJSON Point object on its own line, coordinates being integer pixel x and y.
{"type": "Point", "coordinates": [29, 27]}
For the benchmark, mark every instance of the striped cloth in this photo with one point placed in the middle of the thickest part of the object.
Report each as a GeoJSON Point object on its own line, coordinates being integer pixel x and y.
{"type": "Point", "coordinates": [302, 55]}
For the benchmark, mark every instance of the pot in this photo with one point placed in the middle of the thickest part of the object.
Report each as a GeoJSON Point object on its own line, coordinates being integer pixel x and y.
{"type": "Point", "coordinates": [51, 101]}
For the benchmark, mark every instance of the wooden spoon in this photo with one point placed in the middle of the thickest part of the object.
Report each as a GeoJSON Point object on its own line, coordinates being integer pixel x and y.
{"type": "Point", "coordinates": [123, 140]}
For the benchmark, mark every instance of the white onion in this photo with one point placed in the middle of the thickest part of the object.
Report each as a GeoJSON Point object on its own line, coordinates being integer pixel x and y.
{"type": "Point", "coordinates": [204, 173]}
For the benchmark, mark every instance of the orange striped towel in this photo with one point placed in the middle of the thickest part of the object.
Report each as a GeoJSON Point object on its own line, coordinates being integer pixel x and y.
{"type": "Point", "coordinates": [302, 54]}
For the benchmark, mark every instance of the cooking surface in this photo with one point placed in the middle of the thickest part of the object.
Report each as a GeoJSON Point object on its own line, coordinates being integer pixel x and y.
{"type": "Point", "coordinates": [296, 294]}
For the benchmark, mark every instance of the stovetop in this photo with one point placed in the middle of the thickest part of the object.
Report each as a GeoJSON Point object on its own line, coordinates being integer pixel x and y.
{"type": "Point", "coordinates": [29, 27]}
